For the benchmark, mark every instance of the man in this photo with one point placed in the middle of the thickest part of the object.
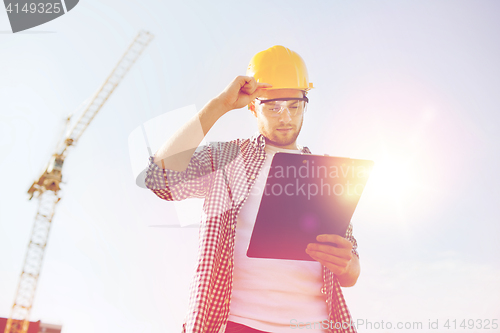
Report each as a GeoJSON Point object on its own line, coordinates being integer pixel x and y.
{"type": "Point", "coordinates": [231, 292]}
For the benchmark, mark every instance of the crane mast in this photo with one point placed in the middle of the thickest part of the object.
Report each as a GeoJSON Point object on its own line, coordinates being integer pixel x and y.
{"type": "Point", "coordinates": [46, 187]}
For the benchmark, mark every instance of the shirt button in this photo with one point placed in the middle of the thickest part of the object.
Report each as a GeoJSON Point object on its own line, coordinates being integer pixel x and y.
{"type": "Point", "coordinates": [262, 157]}
{"type": "Point", "coordinates": [242, 198]}
{"type": "Point", "coordinates": [252, 177]}
{"type": "Point", "coordinates": [232, 226]}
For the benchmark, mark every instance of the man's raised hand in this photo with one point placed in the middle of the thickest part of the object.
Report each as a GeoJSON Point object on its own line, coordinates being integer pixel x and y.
{"type": "Point", "coordinates": [240, 92]}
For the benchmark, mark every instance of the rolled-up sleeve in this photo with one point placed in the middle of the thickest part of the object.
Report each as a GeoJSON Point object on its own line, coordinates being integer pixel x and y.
{"type": "Point", "coordinates": [179, 185]}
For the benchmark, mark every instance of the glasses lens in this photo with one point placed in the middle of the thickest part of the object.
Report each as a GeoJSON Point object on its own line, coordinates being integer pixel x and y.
{"type": "Point", "coordinates": [275, 108]}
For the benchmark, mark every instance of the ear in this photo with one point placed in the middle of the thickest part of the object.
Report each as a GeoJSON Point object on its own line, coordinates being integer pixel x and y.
{"type": "Point", "coordinates": [251, 107]}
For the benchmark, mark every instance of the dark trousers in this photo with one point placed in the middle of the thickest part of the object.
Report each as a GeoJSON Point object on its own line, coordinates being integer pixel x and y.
{"type": "Point", "coordinates": [238, 328]}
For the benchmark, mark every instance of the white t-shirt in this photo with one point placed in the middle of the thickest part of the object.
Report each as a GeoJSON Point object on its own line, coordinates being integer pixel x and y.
{"type": "Point", "coordinates": [272, 294]}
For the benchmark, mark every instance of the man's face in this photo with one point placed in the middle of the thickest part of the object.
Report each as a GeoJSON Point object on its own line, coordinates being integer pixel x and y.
{"type": "Point", "coordinates": [281, 131]}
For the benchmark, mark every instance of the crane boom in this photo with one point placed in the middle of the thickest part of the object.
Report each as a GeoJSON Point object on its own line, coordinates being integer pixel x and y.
{"type": "Point", "coordinates": [46, 188]}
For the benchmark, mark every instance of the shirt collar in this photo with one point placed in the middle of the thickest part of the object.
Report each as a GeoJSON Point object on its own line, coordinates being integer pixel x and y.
{"type": "Point", "coordinates": [260, 142]}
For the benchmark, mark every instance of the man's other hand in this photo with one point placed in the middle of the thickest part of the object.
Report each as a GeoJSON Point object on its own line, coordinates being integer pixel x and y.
{"type": "Point", "coordinates": [337, 257]}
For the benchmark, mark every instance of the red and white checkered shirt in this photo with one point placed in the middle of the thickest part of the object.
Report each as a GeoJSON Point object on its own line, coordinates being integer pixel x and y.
{"type": "Point", "coordinates": [223, 173]}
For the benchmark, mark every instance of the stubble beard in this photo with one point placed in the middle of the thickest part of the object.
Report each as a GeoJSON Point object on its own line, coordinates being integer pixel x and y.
{"type": "Point", "coordinates": [275, 140]}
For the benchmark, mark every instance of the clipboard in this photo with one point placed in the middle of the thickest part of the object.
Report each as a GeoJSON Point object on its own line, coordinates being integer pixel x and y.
{"type": "Point", "coordinates": [305, 196]}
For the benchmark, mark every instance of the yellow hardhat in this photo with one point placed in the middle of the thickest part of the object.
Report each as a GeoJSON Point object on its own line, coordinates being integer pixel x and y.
{"type": "Point", "coordinates": [281, 67]}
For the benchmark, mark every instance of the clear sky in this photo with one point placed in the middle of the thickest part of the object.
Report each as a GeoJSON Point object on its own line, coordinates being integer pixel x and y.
{"type": "Point", "coordinates": [412, 85]}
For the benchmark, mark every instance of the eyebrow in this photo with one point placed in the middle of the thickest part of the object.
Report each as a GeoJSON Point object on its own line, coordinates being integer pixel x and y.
{"type": "Point", "coordinates": [284, 99]}
{"type": "Point", "coordinates": [292, 102]}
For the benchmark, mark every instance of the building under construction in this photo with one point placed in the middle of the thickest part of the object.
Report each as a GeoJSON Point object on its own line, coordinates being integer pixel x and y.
{"type": "Point", "coordinates": [35, 327]}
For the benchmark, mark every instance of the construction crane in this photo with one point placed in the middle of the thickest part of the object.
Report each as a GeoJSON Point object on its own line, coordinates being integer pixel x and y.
{"type": "Point", "coordinates": [46, 188]}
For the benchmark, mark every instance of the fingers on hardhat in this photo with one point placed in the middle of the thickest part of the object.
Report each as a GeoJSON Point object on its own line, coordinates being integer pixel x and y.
{"type": "Point", "coordinates": [264, 85]}
{"type": "Point", "coordinates": [247, 84]}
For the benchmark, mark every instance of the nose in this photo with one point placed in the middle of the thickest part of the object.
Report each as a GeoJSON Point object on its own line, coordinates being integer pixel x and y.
{"type": "Point", "coordinates": [285, 117]}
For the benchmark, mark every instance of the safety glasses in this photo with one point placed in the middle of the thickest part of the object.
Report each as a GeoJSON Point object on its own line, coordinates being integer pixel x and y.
{"type": "Point", "coordinates": [274, 107]}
